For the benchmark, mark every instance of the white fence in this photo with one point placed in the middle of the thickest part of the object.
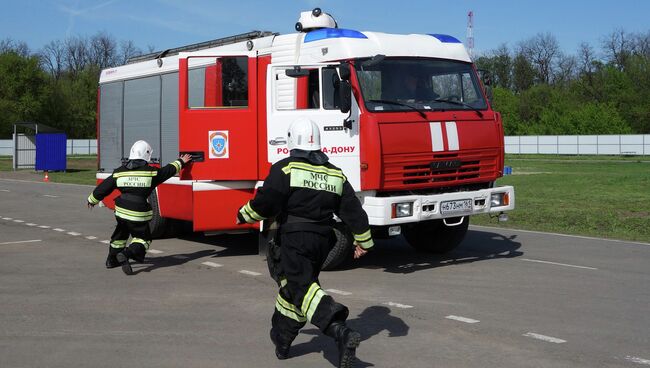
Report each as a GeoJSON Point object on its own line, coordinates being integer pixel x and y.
{"type": "Point", "coordinates": [535, 144]}
{"type": "Point", "coordinates": [73, 147]}
{"type": "Point", "coordinates": [579, 144]}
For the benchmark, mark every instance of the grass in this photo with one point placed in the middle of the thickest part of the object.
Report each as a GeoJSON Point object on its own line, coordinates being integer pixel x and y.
{"type": "Point", "coordinates": [601, 196]}
{"type": "Point", "coordinates": [597, 196]}
{"type": "Point", "coordinates": [80, 170]}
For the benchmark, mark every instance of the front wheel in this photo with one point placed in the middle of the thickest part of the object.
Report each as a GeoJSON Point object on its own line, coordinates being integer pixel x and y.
{"type": "Point", "coordinates": [342, 250]}
{"type": "Point", "coordinates": [159, 226]}
{"type": "Point", "coordinates": [435, 236]}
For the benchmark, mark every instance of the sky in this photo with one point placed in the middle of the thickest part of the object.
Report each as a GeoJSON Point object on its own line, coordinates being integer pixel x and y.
{"type": "Point", "coordinates": [163, 24]}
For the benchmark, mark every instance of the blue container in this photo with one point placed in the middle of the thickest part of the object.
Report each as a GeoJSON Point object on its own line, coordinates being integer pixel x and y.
{"type": "Point", "coordinates": [507, 170]}
{"type": "Point", "coordinates": [50, 152]}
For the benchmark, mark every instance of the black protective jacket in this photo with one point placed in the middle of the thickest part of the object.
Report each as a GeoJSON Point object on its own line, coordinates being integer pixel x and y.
{"type": "Point", "coordinates": [135, 180]}
{"type": "Point", "coordinates": [305, 190]}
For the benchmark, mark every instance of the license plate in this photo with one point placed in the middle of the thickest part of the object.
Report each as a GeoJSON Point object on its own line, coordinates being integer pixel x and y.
{"type": "Point", "coordinates": [459, 206]}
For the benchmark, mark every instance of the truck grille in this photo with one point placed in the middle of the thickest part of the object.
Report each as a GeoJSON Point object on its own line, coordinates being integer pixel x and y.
{"type": "Point", "coordinates": [415, 171]}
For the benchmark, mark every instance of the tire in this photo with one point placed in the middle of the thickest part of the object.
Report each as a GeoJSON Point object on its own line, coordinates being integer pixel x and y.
{"type": "Point", "coordinates": [342, 250]}
{"type": "Point", "coordinates": [159, 226]}
{"type": "Point", "coordinates": [436, 237]}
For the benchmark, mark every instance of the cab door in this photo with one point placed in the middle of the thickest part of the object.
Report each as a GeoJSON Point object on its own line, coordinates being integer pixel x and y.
{"type": "Point", "coordinates": [313, 96]}
{"type": "Point", "coordinates": [217, 115]}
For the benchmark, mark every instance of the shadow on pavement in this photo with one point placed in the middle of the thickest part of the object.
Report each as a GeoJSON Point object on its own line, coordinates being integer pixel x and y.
{"type": "Point", "coordinates": [372, 321]}
{"type": "Point", "coordinates": [396, 256]}
{"type": "Point", "coordinates": [153, 263]}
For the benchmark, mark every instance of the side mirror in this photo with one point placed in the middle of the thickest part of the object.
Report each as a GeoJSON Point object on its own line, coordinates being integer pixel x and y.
{"type": "Point", "coordinates": [345, 96]}
{"type": "Point", "coordinates": [297, 72]}
{"type": "Point", "coordinates": [485, 76]}
{"type": "Point", "coordinates": [344, 70]}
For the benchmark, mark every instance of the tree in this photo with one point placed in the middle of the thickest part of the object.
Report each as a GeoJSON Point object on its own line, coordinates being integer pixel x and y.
{"type": "Point", "coordinates": [523, 74]}
{"type": "Point", "coordinates": [52, 58]}
{"type": "Point", "coordinates": [542, 51]}
{"type": "Point", "coordinates": [23, 88]}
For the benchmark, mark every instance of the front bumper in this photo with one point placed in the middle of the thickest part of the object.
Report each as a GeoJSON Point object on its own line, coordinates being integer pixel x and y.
{"type": "Point", "coordinates": [427, 207]}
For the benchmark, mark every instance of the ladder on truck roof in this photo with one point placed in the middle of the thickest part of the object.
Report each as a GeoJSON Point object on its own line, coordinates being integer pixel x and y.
{"type": "Point", "coordinates": [202, 45]}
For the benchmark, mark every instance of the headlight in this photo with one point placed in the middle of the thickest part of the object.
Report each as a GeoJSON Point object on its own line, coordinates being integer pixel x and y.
{"type": "Point", "coordinates": [499, 199]}
{"type": "Point", "coordinates": [402, 209]}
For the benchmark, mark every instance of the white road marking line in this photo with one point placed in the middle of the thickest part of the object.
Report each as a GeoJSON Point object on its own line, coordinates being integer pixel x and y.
{"type": "Point", "coordinates": [558, 264]}
{"type": "Point", "coordinates": [73, 233]}
{"type": "Point", "coordinates": [59, 230]}
{"type": "Point", "coordinates": [637, 360]}
{"type": "Point", "coordinates": [398, 305]}
{"type": "Point", "coordinates": [250, 273]}
{"type": "Point", "coordinates": [46, 183]}
{"type": "Point", "coordinates": [211, 264]}
{"type": "Point", "coordinates": [7, 218]}
{"type": "Point", "coordinates": [340, 292]}
{"type": "Point", "coordinates": [154, 251]}
{"type": "Point", "coordinates": [21, 241]}
{"type": "Point", "coordinates": [180, 257]}
{"type": "Point", "coordinates": [50, 196]}
{"type": "Point", "coordinates": [105, 241]}
{"type": "Point", "coordinates": [91, 237]}
{"type": "Point", "coordinates": [44, 226]}
{"type": "Point", "coordinates": [4, 190]}
{"type": "Point", "coordinates": [554, 340]}
{"type": "Point", "coordinates": [462, 319]}
{"type": "Point", "coordinates": [30, 224]}
{"type": "Point", "coordinates": [19, 221]}
{"type": "Point", "coordinates": [558, 234]}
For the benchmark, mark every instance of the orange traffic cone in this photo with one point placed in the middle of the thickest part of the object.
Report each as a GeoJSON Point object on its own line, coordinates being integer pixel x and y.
{"type": "Point", "coordinates": [46, 178]}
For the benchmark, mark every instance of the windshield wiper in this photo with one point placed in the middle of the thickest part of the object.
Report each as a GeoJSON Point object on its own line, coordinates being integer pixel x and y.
{"type": "Point", "coordinates": [389, 102]}
{"type": "Point", "coordinates": [460, 103]}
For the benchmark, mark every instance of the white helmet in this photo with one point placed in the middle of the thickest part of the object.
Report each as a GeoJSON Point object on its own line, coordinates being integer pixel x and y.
{"type": "Point", "coordinates": [303, 134]}
{"type": "Point", "coordinates": [140, 150]}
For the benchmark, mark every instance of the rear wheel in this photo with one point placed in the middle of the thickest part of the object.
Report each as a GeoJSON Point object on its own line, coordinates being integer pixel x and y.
{"type": "Point", "coordinates": [436, 237]}
{"type": "Point", "coordinates": [342, 249]}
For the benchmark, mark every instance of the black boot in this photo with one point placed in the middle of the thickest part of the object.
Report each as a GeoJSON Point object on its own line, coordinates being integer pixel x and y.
{"type": "Point", "coordinates": [111, 261]}
{"type": "Point", "coordinates": [123, 259]}
{"type": "Point", "coordinates": [347, 341]}
{"type": "Point", "coordinates": [281, 347]}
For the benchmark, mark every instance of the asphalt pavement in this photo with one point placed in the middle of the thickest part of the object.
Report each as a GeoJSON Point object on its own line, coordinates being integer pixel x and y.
{"type": "Point", "coordinates": [504, 298]}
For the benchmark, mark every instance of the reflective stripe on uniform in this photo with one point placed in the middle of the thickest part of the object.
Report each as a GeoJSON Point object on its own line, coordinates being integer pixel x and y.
{"type": "Point", "coordinates": [134, 173]}
{"type": "Point", "coordinates": [318, 169]}
{"type": "Point", "coordinates": [249, 210]}
{"type": "Point", "coordinates": [177, 165]}
{"type": "Point", "coordinates": [367, 244]}
{"type": "Point", "coordinates": [141, 241]}
{"type": "Point", "coordinates": [311, 300]}
{"type": "Point", "coordinates": [309, 179]}
{"type": "Point", "coordinates": [288, 310]}
{"type": "Point", "coordinates": [246, 217]}
{"type": "Point", "coordinates": [134, 181]}
{"type": "Point", "coordinates": [364, 239]}
{"type": "Point", "coordinates": [118, 244]}
{"type": "Point", "coordinates": [92, 199]}
{"type": "Point", "coordinates": [133, 215]}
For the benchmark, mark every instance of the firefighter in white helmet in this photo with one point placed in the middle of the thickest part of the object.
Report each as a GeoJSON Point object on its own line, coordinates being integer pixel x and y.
{"type": "Point", "coordinates": [303, 192]}
{"type": "Point", "coordinates": [135, 180]}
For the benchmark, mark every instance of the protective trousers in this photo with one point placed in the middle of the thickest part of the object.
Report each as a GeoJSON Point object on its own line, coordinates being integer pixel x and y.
{"type": "Point", "coordinates": [140, 239]}
{"type": "Point", "coordinates": [301, 298]}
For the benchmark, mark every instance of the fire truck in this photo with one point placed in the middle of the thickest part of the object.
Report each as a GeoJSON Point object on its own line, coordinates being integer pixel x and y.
{"type": "Point", "coordinates": [406, 117]}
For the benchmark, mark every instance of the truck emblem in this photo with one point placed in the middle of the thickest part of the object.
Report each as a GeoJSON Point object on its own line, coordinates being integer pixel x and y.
{"type": "Point", "coordinates": [218, 141]}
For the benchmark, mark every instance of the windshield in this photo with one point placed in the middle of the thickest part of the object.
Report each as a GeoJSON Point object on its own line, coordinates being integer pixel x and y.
{"type": "Point", "coordinates": [405, 84]}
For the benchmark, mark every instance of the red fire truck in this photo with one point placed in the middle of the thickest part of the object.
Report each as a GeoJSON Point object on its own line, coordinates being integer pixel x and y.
{"type": "Point", "coordinates": [405, 116]}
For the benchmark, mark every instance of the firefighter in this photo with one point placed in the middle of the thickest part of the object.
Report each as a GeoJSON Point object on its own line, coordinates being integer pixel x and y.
{"type": "Point", "coordinates": [135, 180]}
{"type": "Point", "coordinates": [302, 192]}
